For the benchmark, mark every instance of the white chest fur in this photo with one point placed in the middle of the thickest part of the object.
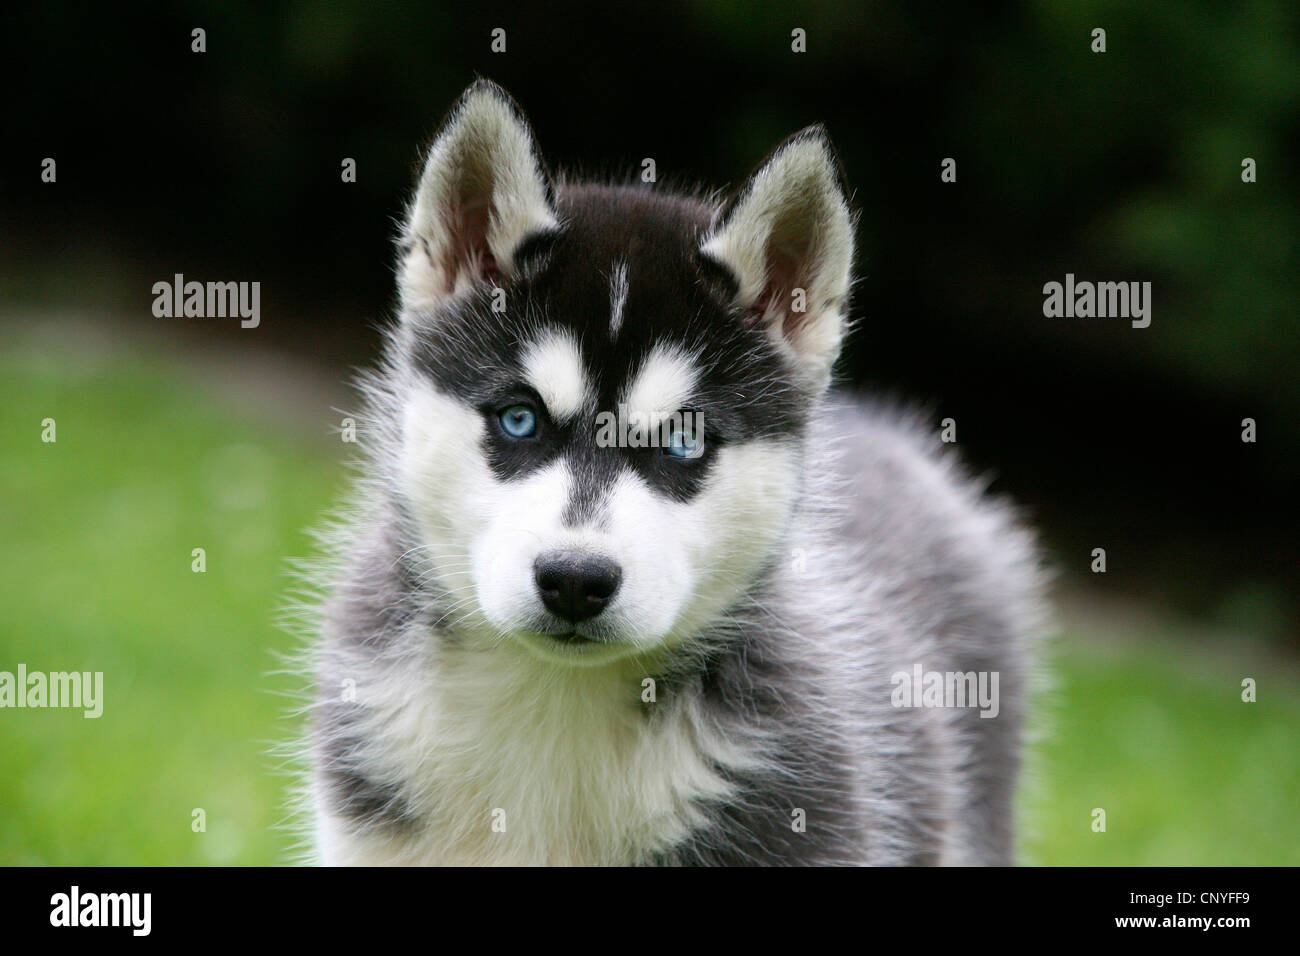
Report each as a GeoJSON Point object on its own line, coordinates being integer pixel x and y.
{"type": "Point", "coordinates": [503, 760]}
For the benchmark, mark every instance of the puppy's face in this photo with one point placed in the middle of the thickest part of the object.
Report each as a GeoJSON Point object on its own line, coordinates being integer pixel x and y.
{"type": "Point", "coordinates": [601, 432]}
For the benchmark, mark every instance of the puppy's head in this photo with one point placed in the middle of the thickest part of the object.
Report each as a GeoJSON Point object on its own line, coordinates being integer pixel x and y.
{"type": "Point", "coordinates": [607, 387]}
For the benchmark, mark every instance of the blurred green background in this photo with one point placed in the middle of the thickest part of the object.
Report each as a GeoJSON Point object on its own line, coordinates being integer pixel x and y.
{"type": "Point", "coordinates": [175, 434]}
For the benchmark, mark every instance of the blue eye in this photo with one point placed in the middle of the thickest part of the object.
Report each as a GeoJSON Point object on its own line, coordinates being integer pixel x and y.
{"type": "Point", "coordinates": [684, 443]}
{"type": "Point", "coordinates": [518, 421]}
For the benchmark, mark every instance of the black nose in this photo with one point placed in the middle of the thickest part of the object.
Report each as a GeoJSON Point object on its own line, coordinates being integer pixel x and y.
{"type": "Point", "coordinates": [576, 586]}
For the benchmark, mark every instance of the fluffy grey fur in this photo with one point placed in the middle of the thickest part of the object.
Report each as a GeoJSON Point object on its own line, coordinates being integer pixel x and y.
{"type": "Point", "coordinates": [889, 557]}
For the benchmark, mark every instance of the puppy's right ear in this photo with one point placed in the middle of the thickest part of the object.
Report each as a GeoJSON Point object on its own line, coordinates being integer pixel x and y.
{"type": "Point", "coordinates": [483, 190]}
{"type": "Point", "coordinates": [787, 239]}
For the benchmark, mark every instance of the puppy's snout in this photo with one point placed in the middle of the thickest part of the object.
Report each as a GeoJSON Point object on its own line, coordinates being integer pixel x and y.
{"type": "Point", "coordinates": [576, 586]}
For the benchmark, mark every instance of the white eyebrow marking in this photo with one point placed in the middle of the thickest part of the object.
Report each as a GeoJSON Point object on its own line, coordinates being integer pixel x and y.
{"type": "Point", "coordinates": [663, 385]}
{"type": "Point", "coordinates": [553, 366]}
{"type": "Point", "coordinates": [617, 298]}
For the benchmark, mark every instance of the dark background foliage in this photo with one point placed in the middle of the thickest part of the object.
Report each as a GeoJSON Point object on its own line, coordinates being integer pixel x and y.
{"type": "Point", "coordinates": [1117, 166]}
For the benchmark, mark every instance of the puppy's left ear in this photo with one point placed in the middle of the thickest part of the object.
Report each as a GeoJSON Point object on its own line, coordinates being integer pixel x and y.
{"type": "Point", "coordinates": [787, 239]}
{"type": "Point", "coordinates": [484, 189]}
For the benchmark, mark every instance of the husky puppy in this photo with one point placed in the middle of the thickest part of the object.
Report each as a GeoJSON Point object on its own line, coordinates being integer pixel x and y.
{"type": "Point", "coordinates": [624, 582]}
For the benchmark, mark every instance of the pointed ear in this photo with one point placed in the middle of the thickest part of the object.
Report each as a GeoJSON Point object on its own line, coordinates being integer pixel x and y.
{"type": "Point", "coordinates": [787, 238]}
{"type": "Point", "coordinates": [483, 190]}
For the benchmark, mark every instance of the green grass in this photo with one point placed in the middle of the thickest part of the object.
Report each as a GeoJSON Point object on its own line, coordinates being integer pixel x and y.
{"type": "Point", "coordinates": [1157, 736]}
{"type": "Point", "coordinates": [96, 533]}
{"type": "Point", "coordinates": [95, 575]}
